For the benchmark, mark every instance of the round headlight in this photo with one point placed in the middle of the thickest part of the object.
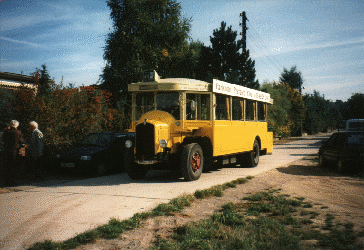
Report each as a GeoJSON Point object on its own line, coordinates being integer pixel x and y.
{"type": "Point", "coordinates": [128, 143]}
{"type": "Point", "coordinates": [163, 143]}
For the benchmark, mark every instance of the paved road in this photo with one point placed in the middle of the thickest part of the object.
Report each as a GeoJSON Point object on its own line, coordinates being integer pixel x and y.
{"type": "Point", "coordinates": [58, 210]}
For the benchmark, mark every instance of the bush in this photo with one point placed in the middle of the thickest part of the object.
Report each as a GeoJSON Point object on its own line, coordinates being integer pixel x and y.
{"type": "Point", "coordinates": [66, 114]}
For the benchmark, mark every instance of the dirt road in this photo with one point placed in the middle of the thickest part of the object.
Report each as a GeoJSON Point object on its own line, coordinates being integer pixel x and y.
{"type": "Point", "coordinates": [341, 196]}
{"type": "Point", "coordinates": [60, 209]}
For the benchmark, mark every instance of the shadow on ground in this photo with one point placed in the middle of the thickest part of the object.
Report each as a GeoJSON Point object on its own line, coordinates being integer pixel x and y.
{"type": "Point", "coordinates": [316, 170]}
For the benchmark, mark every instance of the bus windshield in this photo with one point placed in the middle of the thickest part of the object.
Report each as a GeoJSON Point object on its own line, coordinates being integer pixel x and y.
{"type": "Point", "coordinates": [144, 103]}
{"type": "Point", "coordinates": [169, 102]}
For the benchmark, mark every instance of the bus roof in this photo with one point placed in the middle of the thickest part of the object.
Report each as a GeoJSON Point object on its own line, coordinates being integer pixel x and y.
{"type": "Point", "coordinates": [186, 84]}
{"type": "Point", "coordinates": [171, 84]}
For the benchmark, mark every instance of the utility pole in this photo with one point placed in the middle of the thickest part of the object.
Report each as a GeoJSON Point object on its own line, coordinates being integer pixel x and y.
{"type": "Point", "coordinates": [244, 28]}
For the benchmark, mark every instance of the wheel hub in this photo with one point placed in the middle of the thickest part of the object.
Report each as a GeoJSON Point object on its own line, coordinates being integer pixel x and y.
{"type": "Point", "coordinates": [196, 162]}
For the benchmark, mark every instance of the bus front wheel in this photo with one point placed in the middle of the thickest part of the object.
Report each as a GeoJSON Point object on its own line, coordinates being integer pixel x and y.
{"type": "Point", "coordinates": [253, 156]}
{"type": "Point", "coordinates": [192, 161]}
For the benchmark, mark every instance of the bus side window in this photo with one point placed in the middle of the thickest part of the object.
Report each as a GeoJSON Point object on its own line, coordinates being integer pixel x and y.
{"type": "Point", "coordinates": [261, 111]}
{"type": "Point", "coordinates": [197, 107]}
{"type": "Point", "coordinates": [190, 110]}
{"type": "Point", "coordinates": [238, 108]}
{"type": "Point", "coordinates": [222, 107]}
{"type": "Point", "coordinates": [250, 110]}
{"type": "Point", "coordinates": [204, 107]}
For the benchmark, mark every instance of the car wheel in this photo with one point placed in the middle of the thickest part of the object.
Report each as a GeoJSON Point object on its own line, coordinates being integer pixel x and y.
{"type": "Point", "coordinates": [100, 169]}
{"type": "Point", "coordinates": [340, 166]}
{"type": "Point", "coordinates": [322, 162]}
{"type": "Point", "coordinates": [136, 171]}
{"type": "Point", "coordinates": [192, 161]}
{"type": "Point", "coordinates": [253, 156]}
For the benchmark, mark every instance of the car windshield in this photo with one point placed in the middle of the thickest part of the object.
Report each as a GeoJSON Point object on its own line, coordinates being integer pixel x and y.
{"type": "Point", "coordinates": [356, 139]}
{"type": "Point", "coordinates": [97, 140]}
{"type": "Point", "coordinates": [356, 126]}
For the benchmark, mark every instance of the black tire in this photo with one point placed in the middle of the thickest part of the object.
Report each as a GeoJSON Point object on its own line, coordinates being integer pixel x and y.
{"type": "Point", "coordinates": [192, 161]}
{"type": "Point", "coordinates": [128, 160]}
{"type": "Point", "coordinates": [100, 169]}
{"type": "Point", "coordinates": [340, 167]}
{"type": "Point", "coordinates": [322, 161]}
{"type": "Point", "coordinates": [136, 171]}
{"type": "Point", "coordinates": [253, 156]}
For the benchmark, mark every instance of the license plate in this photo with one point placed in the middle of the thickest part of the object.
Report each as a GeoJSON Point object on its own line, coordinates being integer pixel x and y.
{"type": "Point", "coordinates": [146, 162]}
{"type": "Point", "coordinates": [67, 165]}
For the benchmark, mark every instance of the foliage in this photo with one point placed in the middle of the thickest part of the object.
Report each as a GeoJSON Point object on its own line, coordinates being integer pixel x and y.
{"type": "Point", "coordinates": [287, 113]}
{"type": "Point", "coordinates": [297, 110]}
{"type": "Point", "coordinates": [65, 114]}
{"type": "Point", "coordinates": [292, 77]}
{"type": "Point", "coordinates": [6, 96]}
{"type": "Point", "coordinates": [148, 34]}
{"type": "Point", "coordinates": [225, 50]}
{"type": "Point", "coordinates": [44, 81]}
{"type": "Point", "coordinates": [223, 60]}
{"type": "Point", "coordinates": [318, 113]}
{"type": "Point", "coordinates": [355, 106]}
{"type": "Point", "coordinates": [204, 69]}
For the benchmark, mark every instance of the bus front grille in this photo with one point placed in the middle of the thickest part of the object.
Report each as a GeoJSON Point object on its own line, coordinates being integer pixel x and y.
{"type": "Point", "coordinates": [144, 141]}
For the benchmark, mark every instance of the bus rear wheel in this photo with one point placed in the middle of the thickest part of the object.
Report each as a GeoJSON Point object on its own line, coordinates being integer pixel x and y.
{"type": "Point", "coordinates": [253, 156]}
{"type": "Point", "coordinates": [192, 162]}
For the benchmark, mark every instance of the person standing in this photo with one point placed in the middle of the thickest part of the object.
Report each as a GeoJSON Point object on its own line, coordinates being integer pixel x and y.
{"type": "Point", "coordinates": [12, 142]}
{"type": "Point", "coordinates": [6, 127]}
{"type": "Point", "coordinates": [35, 150]}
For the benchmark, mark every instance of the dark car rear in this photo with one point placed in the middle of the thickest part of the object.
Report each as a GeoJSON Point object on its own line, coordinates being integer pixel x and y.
{"type": "Point", "coordinates": [99, 153]}
{"type": "Point", "coordinates": [344, 150]}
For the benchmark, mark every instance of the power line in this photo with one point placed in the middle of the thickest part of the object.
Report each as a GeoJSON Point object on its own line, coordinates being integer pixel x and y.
{"type": "Point", "coordinates": [260, 44]}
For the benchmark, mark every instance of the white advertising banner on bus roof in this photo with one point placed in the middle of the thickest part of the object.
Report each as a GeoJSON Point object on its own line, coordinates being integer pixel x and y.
{"type": "Point", "coordinates": [240, 91]}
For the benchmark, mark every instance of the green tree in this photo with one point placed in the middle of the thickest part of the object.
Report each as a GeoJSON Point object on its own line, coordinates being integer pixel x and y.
{"type": "Point", "coordinates": [225, 51]}
{"type": "Point", "coordinates": [318, 113]}
{"type": "Point", "coordinates": [247, 71]}
{"type": "Point", "coordinates": [227, 62]}
{"type": "Point", "coordinates": [44, 82]}
{"type": "Point", "coordinates": [278, 113]}
{"type": "Point", "coordinates": [6, 97]}
{"type": "Point", "coordinates": [287, 113]}
{"type": "Point", "coordinates": [204, 68]}
{"type": "Point", "coordinates": [292, 77]}
{"type": "Point", "coordinates": [355, 106]}
{"type": "Point", "coordinates": [148, 34]}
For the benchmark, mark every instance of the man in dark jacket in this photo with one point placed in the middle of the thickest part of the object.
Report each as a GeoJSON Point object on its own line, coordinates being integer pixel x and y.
{"type": "Point", "coordinates": [35, 149]}
{"type": "Point", "coordinates": [13, 141]}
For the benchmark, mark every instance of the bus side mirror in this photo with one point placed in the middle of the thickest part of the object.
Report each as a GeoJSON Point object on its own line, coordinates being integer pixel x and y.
{"type": "Point", "coordinates": [193, 105]}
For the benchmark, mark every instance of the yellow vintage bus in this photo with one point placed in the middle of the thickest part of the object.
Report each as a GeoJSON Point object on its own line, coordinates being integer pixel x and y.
{"type": "Point", "coordinates": [189, 124]}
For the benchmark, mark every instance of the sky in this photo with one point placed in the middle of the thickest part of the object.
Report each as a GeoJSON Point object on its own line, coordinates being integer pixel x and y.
{"type": "Point", "coordinates": [324, 39]}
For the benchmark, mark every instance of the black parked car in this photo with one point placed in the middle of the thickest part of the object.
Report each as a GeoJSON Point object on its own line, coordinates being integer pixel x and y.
{"type": "Point", "coordinates": [1, 142]}
{"type": "Point", "coordinates": [344, 150]}
{"type": "Point", "coordinates": [98, 153]}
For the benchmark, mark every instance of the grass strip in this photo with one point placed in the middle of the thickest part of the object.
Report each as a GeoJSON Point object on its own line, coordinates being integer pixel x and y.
{"type": "Point", "coordinates": [233, 228]}
{"type": "Point", "coordinates": [115, 227]}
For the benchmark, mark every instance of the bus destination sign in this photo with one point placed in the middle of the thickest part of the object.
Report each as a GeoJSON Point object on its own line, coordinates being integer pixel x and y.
{"type": "Point", "coordinates": [240, 91]}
